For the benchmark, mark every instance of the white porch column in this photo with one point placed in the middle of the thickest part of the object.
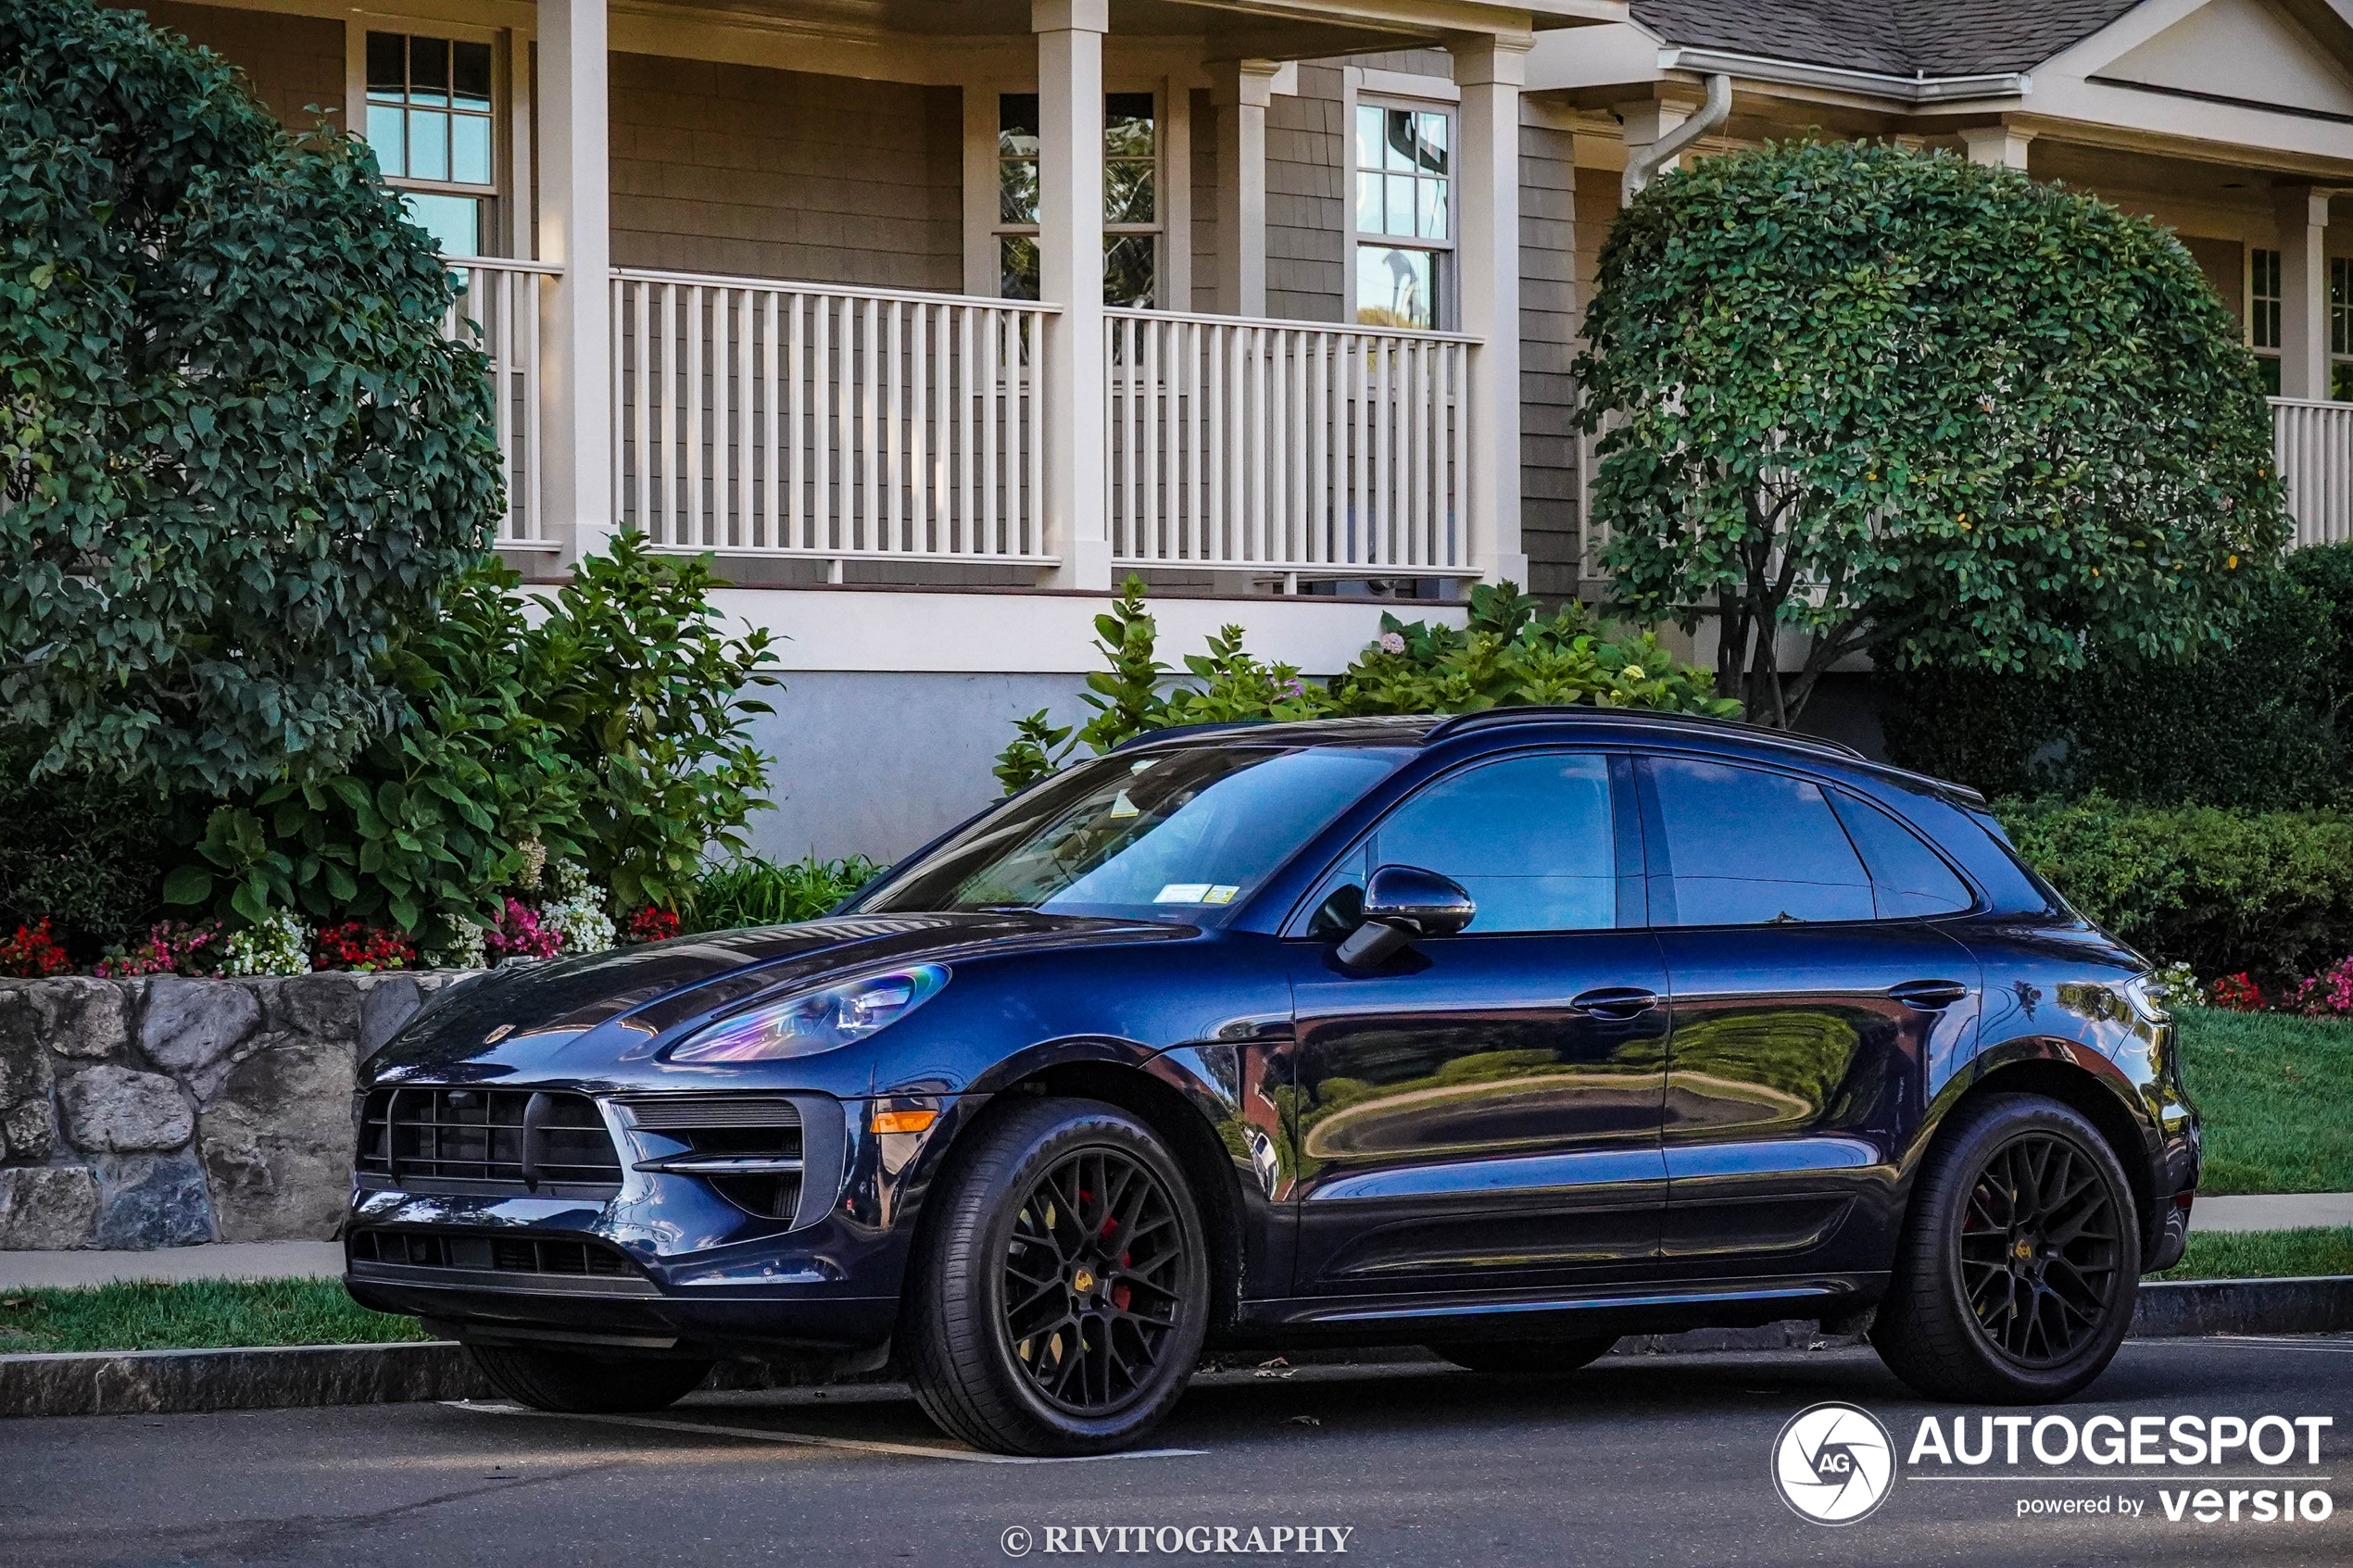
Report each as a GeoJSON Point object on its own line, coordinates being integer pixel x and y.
{"type": "Point", "coordinates": [1070, 273]}
{"type": "Point", "coordinates": [2001, 147]}
{"type": "Point", "coordinates": [2303, 294]}
{"type": "Point", "coordinates": [1489, 71]}
{"type": "Point", "coordinates": [1240, 93]}
{"type": "Point", "coordinates": [576, 229]}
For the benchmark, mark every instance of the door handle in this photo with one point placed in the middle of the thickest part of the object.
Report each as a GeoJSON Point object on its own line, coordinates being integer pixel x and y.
{"type": "Point", "coordinates": [1615, 1002]}
{"type": "Point", "coordinates": [1929, 996]}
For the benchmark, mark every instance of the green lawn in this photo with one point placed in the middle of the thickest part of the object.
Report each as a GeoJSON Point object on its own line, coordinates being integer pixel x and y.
{"type": "Point", "coordinates": [192, 1315]}
{"type": "Point", "coordinates": [2265, 1254]}
{"type": "Point", "coordinates": [2275, 1093]}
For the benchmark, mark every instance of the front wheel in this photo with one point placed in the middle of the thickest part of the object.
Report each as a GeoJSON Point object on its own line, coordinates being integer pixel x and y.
{"type": "Point", "coordinates": [2019, 1260]}
{"type": "Point", "coordinates": [1061, 1288]}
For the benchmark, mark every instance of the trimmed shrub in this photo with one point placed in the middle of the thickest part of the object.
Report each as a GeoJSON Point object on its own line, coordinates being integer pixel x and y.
{"type": "Point", "coordinates": [2256, 726]}
{"type": "Point", "coordinates": [750, 891]}
{"type": "Point", "coordinates": [2269, 894]}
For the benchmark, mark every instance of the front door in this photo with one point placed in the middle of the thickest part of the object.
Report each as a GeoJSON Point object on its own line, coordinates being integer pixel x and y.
{"type": "Point", "coordinates": [1483, 1112]}
{"type": "Point", "coordinates": [1812, 983]}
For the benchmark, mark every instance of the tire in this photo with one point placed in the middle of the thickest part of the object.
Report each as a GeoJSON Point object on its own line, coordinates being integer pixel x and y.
{"type": "Point", "coordinates": [2019, 1260]}
{"type": "Point", "coordinates": [585, 1385]}
{"type": "Point", "coordinates": [1027, 1333]}
{"type": "Point", "coordinates": [1527, 1358]}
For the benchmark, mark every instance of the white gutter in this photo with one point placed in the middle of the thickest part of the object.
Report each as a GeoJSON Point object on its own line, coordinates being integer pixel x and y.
{"type": "Point", "coordinates": [1916, 88]}
{"type": "Point", "coordinates": [1645, 164]}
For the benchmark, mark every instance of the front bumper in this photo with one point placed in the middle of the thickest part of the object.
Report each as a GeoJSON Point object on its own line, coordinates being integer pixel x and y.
{"type": "Point", "coordinates": [665, 1264]}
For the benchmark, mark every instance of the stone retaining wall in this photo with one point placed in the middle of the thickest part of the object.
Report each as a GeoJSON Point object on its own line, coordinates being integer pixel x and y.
{"type": "Point", "coordinates": [164, 1112]}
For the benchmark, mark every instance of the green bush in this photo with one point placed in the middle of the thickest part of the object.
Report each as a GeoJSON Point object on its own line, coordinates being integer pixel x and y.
{"type": "Point", "coordinates": [2257, 725]}
{"type": "Point", "coordinates": [750, 891]}
{"type": "Point", "coordinates": [88, 854]}
{"type": "Point", "coordinates": [1910, 405]}
{"type": "Point", "coordinates": [2267, 893]}
{"type": "Point", "coordinates": [1505, 655]}
{"type": "Point", "coordinates": [236, 454]}
{"type": "Point", "coordinates": [612, 732]}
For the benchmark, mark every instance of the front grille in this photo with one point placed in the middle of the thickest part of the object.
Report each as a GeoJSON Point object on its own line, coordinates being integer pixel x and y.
{"type": "Point", "coordinates": [517, 1255]}
{"type": "Point", "coordinates": [749, 1147]}
{"type": "Point", "coordinates": [487, 1141]}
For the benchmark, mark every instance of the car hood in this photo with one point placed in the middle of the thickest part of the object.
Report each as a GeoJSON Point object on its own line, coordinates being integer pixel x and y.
{"type": "Point", "coordinates": [629, 1003]}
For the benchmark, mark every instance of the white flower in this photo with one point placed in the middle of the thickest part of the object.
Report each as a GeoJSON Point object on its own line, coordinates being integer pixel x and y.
{"type": "Point", "coordinates": [461, 948]}
{"type": "Point", "coordinates": [1391, 642]}
{"type": "Point", "coordinates": [279, 944]}
{"type": "Point", "coordinates": [577, 913]}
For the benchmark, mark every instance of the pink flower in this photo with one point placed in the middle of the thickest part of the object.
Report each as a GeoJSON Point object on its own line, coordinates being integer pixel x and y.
{"type": "Point", "coordinates": [1391, 642]}
{"type": "Point", "coordinates": [517, 934]}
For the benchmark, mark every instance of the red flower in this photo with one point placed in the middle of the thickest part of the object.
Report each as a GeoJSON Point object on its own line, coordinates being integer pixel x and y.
{"type": "Point", "coordinates": [33, 953]}
{"type": "Point", "coordinates": [356, 945]}
{"type": "Point", "coordinates": [649, 925]}
{"type": "Point", "coordinates": [2239, 994]}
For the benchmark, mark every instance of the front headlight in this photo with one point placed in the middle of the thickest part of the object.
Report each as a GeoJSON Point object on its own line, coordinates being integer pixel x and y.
{"type": "Point", "coordinates": [815, 1021]}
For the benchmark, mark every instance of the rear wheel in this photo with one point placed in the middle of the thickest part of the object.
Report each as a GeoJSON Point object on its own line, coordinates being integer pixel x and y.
{"type": "Point", "coordinates": [1060, 1297]}
{"type": "Point", "coordinates": [582, 1384]}
{"type": "Point", "coordinates": [1529, 1358]}
{"type": "Point", "coordinates": [2019, 1260]}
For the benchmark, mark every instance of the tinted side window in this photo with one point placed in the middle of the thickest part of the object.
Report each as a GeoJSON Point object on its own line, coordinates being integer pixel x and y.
{"type": "Point", "coordinates": [1907, 877]}
{"type": "Point", "coordinates": [1531, 839]}
{"type": "Point", "coordinates": [1748, 847]}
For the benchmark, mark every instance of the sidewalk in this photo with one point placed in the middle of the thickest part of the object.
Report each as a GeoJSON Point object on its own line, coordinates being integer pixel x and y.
{"type": "Point", "coordinates": [251, 1260]}
{"type": "Point", "coordinates": [2266, 1211]}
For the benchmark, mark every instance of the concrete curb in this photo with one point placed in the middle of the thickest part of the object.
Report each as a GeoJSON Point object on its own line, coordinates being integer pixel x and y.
{"type": "Point", "coordinates": [164, 1382]}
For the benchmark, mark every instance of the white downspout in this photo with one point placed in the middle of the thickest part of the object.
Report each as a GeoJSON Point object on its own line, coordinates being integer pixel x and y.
{"type": "Point", "coordinates": [1644, 166]}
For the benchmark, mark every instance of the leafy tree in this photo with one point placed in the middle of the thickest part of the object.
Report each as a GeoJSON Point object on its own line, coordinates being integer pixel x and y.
{"type": "Point", "coordinates": [1912, 406]}
{"type": "Point", "coordinates": [236, 454]}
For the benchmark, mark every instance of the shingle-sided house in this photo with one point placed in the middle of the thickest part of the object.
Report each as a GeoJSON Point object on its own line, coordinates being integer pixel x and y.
{"type": "Point", "coordinates": [933, 318]}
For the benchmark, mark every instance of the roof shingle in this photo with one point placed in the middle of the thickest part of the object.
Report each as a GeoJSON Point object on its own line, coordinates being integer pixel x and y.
{"type": "Point", "coordinates": [1890, 37]}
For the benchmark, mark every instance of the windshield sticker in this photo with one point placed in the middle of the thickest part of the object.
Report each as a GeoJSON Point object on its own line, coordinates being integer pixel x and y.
{"type": "Point", "coordinates": [1221, 892]}
{"type": "Point", "coordinates": [1183, 893]}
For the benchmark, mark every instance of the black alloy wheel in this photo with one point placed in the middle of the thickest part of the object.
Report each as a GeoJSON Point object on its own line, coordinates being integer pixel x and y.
{"type": "Point", "coordinates": [2019, 1260]}
{"type": "Point", "coordinates": [1094, 1280]}
{"type": "Point", "coordinates": [1060, 1290]}
{"type": "Point", "coordinates": [2040, 1247]}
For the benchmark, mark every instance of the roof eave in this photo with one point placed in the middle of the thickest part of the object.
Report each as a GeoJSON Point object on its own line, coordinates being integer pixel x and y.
{"type": "Point", "coordinates": [1908, 90]}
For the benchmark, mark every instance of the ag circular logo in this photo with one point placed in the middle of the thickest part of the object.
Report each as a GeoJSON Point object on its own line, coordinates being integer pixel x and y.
{"type": "Point", "coordinates": [1833, 1463]}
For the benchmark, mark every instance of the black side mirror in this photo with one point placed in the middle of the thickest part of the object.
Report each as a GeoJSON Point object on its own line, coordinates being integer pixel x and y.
{"type": "Point", "coordinates": [1404, 905]}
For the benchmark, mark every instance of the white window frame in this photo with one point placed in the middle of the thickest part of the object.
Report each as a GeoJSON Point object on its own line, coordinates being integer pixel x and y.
{"type": "Point", "coordinates": [983, 168]}
{"type": "Point", "coordinates": [505, 227]}
{"type": "Point", "coordinates": [1448, 273]}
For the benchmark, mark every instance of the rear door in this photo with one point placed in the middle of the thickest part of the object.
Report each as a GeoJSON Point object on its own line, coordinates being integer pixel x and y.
{"type": "Point", "coordinates": [1483, 1112]}
{"type": "Point", "coordinates": [1812, 980]}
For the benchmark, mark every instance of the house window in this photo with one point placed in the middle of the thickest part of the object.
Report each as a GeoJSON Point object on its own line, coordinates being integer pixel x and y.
{"type": "Point", "coordinates": [431, 124]}
{"type": "Point", "coordinates": [2264, 297]}
{"type": "Point", "coordinates": [1131, 197]}
{"type": "Point", "coordinates": [1404, 217]}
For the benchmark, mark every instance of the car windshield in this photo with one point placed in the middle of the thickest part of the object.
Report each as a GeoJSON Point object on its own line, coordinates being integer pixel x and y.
{"type": "Point", "coordinates": [1174, 835]}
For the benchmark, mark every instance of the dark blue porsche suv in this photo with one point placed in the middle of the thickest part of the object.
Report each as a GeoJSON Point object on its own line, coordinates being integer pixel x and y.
{"type": "Point", "coordinates": [1506, 1033]}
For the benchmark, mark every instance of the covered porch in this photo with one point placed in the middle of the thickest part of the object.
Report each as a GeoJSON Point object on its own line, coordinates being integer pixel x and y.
{"type": "Point", "coordinates": [1000, 295]}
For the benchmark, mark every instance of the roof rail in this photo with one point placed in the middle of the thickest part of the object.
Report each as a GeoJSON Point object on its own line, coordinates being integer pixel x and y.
{"type": "Point", "coordinates": [1147, 737]}
{"type": "Point", "coordinates": [1540, 712]}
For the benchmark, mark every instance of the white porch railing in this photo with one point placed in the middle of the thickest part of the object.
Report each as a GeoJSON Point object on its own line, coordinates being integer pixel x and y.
{"type": "Point", "coordinates": [1281, 447]}
{"type": "Point", "coordinates": [778, 418]}
{"type": "Point", "coordinates": [2313, 444]}
{"type": "Point", "coordinates": [498, 312]}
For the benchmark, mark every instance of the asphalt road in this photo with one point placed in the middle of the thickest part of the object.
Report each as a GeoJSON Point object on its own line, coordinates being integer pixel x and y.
{"type": "Point", "coordinates": [1657, 1460]}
